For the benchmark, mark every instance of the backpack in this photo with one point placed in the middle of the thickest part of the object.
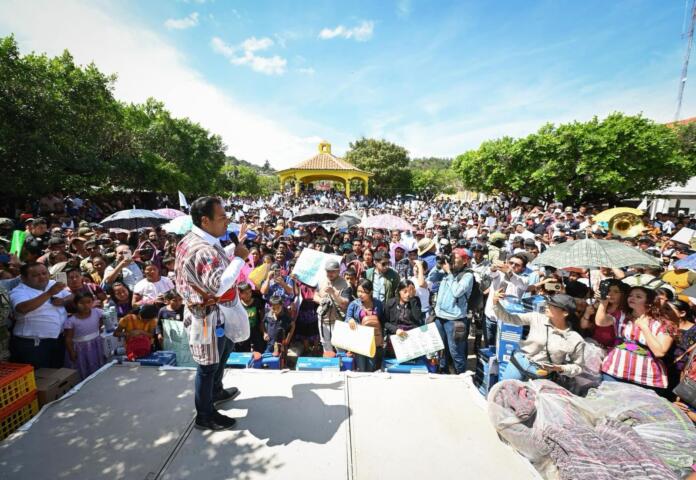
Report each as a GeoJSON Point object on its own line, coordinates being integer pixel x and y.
{"type": "Point", "coordinates": [476, 298]}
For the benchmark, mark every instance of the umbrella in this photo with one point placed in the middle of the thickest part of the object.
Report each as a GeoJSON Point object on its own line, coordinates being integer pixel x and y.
{"type": "Point", "coordinates": [346, 221]}
{"type": "Point", "coordinates": [352, 213]}
{"type": "Point", "coordinates": [179, 226]}
{"type": "Point", "coordinates": [315, 214]}
{"type": "Point", "coordinates": [688, 262]}
{"type": "Point", "coordinates": [607, 215]}
{"type": "Point", "coordinates": [590, 253]}
{"type": "Point", "coordinates": [134, 219]}
{"type": "Point", "coordinates": [170, 213]}
{"type": "Point", "coordinates": [386, 221]}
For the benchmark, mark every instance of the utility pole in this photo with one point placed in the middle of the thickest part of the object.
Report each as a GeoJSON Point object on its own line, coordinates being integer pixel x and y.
{"type": "Point", "coordinates": [685, 67]}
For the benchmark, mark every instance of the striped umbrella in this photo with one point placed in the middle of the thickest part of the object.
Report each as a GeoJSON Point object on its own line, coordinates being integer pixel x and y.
{"type": "Point", "coordinates": [590, 253]}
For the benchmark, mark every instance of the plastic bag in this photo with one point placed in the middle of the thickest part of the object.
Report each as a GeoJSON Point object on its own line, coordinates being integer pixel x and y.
{"type": "Point", "coordinates": [236, 321]}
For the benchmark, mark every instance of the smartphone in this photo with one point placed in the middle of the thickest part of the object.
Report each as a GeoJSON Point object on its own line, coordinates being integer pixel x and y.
{"type": "Point", "coordinates": [62, 277]}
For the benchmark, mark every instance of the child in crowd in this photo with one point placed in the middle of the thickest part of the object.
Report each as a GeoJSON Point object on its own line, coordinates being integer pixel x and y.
{"type": "Point", "coordinates": [172, 310]}
{"type": "Point", "coordinates": [279, 327]}
{"type": "Point", "coordinates": [139, 331]}
{"type": "Point", "coordinates": [256, 311]}
{"type": "Point", "coordinates": [84, 347]}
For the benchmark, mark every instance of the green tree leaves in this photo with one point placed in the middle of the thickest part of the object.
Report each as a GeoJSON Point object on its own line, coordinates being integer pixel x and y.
{"type": "Point", "coordinates": [387, 161]}
{"type": "Point", "coordinates": [62, 128]}
{"type": "Point", "coordinates": [617, 158]}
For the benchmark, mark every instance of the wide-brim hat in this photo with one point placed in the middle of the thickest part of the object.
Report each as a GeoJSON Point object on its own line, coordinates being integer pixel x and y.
{"type": "Point", "coordinates": [424, 245]}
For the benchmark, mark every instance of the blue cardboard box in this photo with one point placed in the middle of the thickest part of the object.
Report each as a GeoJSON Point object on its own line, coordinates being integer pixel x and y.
{"type": "Point", "coordinates": [240, 360]}
{"type": "Point", "coordinates": [418, 365]}
{"type": "Point", "coordinates": [486, 374]}
{"type": "Point", "coordinates": [318, 364]}
{"type": "Point", "coordinates": [509, 337]}
{"type": "Point", "coordinates": [158, 359]}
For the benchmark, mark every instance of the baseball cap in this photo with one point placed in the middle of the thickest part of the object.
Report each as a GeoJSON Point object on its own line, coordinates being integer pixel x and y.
{"type": "Point", "coordinates": [332, 265]}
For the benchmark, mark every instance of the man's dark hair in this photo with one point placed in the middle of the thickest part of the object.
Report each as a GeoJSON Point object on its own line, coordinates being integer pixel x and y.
{"type": "Point", "coordinates": [381, 256]}
{"type": "Point", "coordinates": [203, 207]}
{"type": "Point", "coordinates": [522, 258]}
{"type": "Point", "coordinates": [24, 269]}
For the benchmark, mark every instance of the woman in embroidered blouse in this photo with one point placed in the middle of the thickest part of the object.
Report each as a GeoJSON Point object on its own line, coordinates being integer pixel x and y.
{"type": "Point", "coordinates": [642, 341]}
{"type": "Point", "coordinates": [368, 312]}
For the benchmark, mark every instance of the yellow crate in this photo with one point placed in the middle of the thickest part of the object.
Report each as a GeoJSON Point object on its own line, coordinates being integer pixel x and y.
{"type": "Point", "coordinates": [16, 381]}
{"type": "Point", "coordinates": [17, 414]}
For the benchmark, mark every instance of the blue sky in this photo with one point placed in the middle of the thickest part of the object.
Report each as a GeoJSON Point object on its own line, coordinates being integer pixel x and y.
{"type": "Point", "coordinates": [438, 77]}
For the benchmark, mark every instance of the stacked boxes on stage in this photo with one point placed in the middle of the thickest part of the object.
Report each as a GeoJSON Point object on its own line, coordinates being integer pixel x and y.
{"type": "Point", "coordinates": [347, 362]}
{"type": "Point", "coordinates": [18, 396]}
{"type": "Point", "coordinates": [268, 361]}
{"type": "Point", "coordinates": [486, 374]}
{"type": "Point", "coordinates": [509, 337]}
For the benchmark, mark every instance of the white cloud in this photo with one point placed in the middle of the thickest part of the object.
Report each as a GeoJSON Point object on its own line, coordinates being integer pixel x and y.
{"type": "Point", "coordinates": [361, 33]}
{"type": "Point", "coordinates": [254, 44]}
{"type": "Point", "coordinates": [148, 66]}
{"type": "Point", "coordinates": [244, 54]}
{"type": "Point", "coordinates": [182, 23]}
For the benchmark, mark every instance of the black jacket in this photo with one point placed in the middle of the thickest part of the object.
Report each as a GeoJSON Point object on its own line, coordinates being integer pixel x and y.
{"type": "Point", "coordinates": [412, 318]}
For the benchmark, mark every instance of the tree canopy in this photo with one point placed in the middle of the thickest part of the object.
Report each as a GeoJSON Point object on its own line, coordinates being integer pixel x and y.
{"type": "Point", "coordinates": [609, 160]}
{"type": "Point", "coordinates": [387, 161]}
{"type": "Point", "coordinates": [62, 129]}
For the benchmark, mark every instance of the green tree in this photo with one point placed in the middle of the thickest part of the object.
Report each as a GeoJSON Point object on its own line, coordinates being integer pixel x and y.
{"type": "Point", "coordinates": [60, 126]}
{"type": "Point", "coordinates": [387, 161]}
{"type": "Point", "coordinates": [610, 160]}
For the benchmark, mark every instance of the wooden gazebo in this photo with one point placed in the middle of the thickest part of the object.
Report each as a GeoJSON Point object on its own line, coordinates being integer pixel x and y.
{"type": "Point", "coordinates": [324, 166]}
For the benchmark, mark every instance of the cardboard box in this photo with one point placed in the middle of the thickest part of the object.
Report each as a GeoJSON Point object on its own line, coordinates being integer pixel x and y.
{"type": "Point", "coordinates": [53, 383]}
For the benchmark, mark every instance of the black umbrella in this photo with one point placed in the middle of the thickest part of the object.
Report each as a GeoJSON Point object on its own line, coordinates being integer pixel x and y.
{"type": "Point", "coordinates": [315, 214]}
{"type": "Point", "coordinates": [134, 219]}
{"type": "Point", "coordinates": [347, 221]}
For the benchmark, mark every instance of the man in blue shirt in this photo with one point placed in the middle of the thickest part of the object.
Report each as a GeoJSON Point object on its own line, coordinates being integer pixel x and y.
{"type": "Point", "coordinates": [451, 310]}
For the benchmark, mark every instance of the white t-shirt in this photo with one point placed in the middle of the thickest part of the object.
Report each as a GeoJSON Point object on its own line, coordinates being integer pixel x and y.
{"type": "Point", "coordinates": [150, 290]}
{"type": "Point", "coordinates": [423, 295]}
{"type": "Point", "coordinates": [44, 322]}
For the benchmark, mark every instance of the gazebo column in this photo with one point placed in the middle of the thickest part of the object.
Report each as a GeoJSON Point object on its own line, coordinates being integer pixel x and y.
{"type": "Point", "coordinates": [365, 185]}
{"type": "Point", "coordinates": [297, 187]}
{"type": "Point", "coordinates": [347, 183]}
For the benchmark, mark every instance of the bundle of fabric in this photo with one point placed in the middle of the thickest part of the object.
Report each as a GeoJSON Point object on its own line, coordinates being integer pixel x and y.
{"type": "Point", "coordinates": [665, 428]}
{"type": "Point", "coordinates": [609, 451]}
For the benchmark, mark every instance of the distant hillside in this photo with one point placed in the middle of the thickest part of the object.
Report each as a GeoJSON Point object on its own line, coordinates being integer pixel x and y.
{"type": "Point", "coordinates": [266, 169]}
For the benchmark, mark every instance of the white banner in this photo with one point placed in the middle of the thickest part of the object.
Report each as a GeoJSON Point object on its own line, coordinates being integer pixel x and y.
{"type": "Point", "coordinates": [361, 340]}
{"type": "Point", "coordinates": [418, 342]}
{"type": "Point", "coordinates": [309, 268]}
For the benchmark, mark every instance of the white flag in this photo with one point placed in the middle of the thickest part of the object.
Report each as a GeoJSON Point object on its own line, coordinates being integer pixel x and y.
{"type": "Point", "coordinates": [182, 200]}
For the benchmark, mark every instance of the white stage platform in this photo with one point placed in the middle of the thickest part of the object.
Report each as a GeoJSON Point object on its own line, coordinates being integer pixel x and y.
{"type": "Point", "coordinates": [136, 423]}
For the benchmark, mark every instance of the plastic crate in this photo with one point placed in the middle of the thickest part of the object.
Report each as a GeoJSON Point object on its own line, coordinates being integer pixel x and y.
{"type": "Point", "coordinates": [318, 364]}
{"type": "Point", "coordinates": [16, 381]}
{"type": "Point", "coordinates": [418, 365]}
{"type": "Point", "coordinates": [18, 413]}
{"type": "Point", "coordinates": [240, 360]}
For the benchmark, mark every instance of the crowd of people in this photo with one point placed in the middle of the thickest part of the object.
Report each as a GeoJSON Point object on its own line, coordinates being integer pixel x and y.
{"type": "Point", "coordinates": [453, 268]}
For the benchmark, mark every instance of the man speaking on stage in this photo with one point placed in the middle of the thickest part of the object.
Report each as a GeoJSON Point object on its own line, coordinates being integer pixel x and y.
{"type": "Point", "coordinates": [202, 270]}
